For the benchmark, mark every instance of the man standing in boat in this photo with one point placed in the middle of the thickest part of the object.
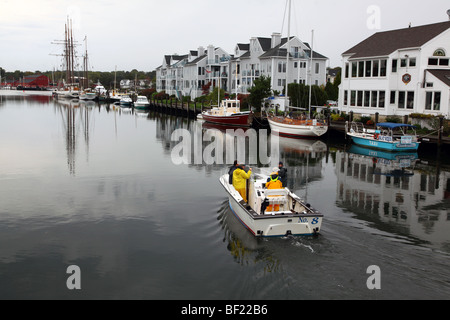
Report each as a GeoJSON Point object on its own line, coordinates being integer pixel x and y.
{"type": "Point", "coordinates": [231, 171]}
{"type": "Point", "coordinates": [282, 173]}
{"type": "Point", "coordinates": [240, 178]}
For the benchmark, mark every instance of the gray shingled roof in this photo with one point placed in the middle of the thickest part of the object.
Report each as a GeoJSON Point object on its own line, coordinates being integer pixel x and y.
{"type": "Point", "coordinates": [385, 43]}
{"type": "Point", "coordinates": [196, 60]}
{"type": "Point", "coordinates": [443, 75]}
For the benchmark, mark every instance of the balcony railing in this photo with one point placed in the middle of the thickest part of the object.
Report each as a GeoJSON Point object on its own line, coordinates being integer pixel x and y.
{"type": "Point", "coordinates": [218, 60]}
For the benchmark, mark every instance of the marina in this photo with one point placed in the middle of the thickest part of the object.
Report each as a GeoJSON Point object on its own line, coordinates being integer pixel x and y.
{"type": "Point", "coordinates": [246, 163]}
{"type": "Point", "coordinates": [101, 207]}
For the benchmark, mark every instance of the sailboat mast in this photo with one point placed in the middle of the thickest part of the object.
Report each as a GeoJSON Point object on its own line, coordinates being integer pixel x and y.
{"type": "Point", "coordinates": [310, 70]}
{"type": "Point", "coordinates": [66, 43]}
{"type": "Point", "coordinates": [287, 57]}
{"type": "Point", "coordinates": [86, 66]}
{"type": "Point", "coordinates": [72, 54]}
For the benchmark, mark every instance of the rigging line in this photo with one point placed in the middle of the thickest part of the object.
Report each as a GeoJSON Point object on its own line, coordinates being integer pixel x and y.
{"type": "Point", "coordinates": [295, 19]}
{"type": "Point", "coordinates": [284, 16]}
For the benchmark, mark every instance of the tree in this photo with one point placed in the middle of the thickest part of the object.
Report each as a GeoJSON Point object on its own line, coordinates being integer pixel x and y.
{"type": "Point", "coordinates": [330, 89]}
{"type": "Point", "coordinates": [214, 95]}
{"type": "Point", "coordinates": [205, 89]}
{"type": "Point", "coordinates": [299, 95]}
{"type": "Point", "coordinates": [260, 90]}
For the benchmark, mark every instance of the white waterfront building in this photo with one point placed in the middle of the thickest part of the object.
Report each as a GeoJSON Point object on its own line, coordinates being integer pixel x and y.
{"type": "Point", "coordinates": [186, 75]}
{"type": "Point", "coordinates": [399, 72]}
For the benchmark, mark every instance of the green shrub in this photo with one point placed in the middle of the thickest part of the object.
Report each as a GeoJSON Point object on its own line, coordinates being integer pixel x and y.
{"type": "Point", "coordinates": [393, 119]}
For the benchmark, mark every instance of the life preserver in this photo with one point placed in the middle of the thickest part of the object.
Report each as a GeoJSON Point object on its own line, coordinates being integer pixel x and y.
{"type": "Point", "coordinates": [376, 136]}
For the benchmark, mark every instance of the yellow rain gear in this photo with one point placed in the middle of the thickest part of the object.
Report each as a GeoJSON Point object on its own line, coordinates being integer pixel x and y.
{"type": "Point", "coordinates": [274, 183]}
{"type": "Point", "coordinates": [240, 178]}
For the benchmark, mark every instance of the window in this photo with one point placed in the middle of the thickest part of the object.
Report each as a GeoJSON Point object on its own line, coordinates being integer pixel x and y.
{"type": "Point", "coordinates": [346, 70]}
{"type": "Point", "coordinates": [438, 61]}
{"type": "Point", "coordinates": [439, 53]}
{"type": "Point", "coordinates": [403, 63]}
{"type": "Point", "coordinates": [433, 62]}
{"type": "Point", "coordinates": [368, 69]}
{"type": "Point", "coordinates": [360, 98]}
{"type": "Point", "coordinates": [317, 68]}
{"type": "Point", "coordinates": [382, 99]}
{"type": "Point", "coordinates": [345, 97]}
{"type": "Point", "coordinates": [375, 68]}
{"type": "Point", "coordinates": [401, 99]}
{"type": "Point", "coordinates": [410, 100]}
{"type": "Point", "coordinates": [374, 99]}
{"type": "Point", "coordinates": [354, 69]}
{"type": "Point", "coordinates": [394, 65]}
{"type": "Point", "coordinates": [353, 98]}
{"type": "Point", "coordinates": [361, 69]}
{"type": "Point", "coordinates": [412, 62]}
{"type": "Point", "coordinates": [393, 97]}
{"type": "Point", "coordinates": [366, 98]}
{"type": "Point", "coordinates": [428, 100]}
{"type": "Point", "coordinates": [383, 67]}
{"type": "Point", "coordinates": [437, 101]}
{"type": "Point", "coordinates": [443, 62]}
{"type": "Point", "coordinates": [295, 65]}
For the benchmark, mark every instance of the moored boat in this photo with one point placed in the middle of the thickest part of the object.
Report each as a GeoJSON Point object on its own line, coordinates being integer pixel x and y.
{"type": "Point", "coordinates": [393, 137]}
{"type": "Point", "coordinates": [228, 113]}
{"type": "Point", "coordinates": [88, 95]}
{"type": "Point", "coordinates": [297, 128]}
{"type": "Point", "coordinates": [126, 101]}
{"type": "Point", "coordinates": [67, 93]}
{"type": "Point", "coordinates": [294, 216]}
{"type": "Point", "coordinates": [141, 102]}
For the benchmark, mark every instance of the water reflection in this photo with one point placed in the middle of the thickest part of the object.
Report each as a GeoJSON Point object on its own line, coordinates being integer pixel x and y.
{"type": "Point", "coordinates": [76, 117]}
{"type": "Point", "coordinates": [303, 159]}
{"type": "Point", "coordinates": [214, 147]}
{"type": "Point", "coordinates": [397, 193]}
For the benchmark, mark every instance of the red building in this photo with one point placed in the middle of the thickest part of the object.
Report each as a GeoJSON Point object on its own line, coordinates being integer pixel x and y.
{"type": "Point", "coordinates": [36, 81]}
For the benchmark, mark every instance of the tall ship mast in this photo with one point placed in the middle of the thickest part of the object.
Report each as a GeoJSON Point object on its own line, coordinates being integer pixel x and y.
{"type": "Point", "coordinates": [70, 88]}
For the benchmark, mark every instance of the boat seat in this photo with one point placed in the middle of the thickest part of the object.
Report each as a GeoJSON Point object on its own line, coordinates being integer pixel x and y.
{"type": "Point", "coordinates": [276, 196]}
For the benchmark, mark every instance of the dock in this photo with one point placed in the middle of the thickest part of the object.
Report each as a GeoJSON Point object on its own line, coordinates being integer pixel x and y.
{"type": "Point", "coordinates": [179, 108]}
{"type": "Point", "coordinates": [191, 110]}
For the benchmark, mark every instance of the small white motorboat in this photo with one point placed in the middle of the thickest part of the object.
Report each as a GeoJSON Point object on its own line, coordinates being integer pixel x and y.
{"type": "Point", "coordinates": [126, 101]}
{"type": "Point", "coordinates": [294, 216]}
{"type": "Point", "coordinates": [88, 95]}
{"type": "Point", "coordinates": [141, 102]}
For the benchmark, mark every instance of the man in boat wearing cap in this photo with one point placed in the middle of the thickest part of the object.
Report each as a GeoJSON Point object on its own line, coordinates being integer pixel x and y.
{"type": "Point", "coordinates": [274, 182]}
{"type": "Point", "coordinates": [231, 171]}
{"type": "Point", "coordinates": [282, 173]}
{"type": "Point", "coordinates": [240, 178]}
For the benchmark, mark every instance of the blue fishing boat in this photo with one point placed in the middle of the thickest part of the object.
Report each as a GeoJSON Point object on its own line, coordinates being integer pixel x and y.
{"type": "Point", "coordinates": [392, 137]}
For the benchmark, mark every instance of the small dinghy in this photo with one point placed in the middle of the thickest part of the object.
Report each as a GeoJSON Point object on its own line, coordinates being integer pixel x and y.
{"type": "Point", "coordinates": [272, 213]}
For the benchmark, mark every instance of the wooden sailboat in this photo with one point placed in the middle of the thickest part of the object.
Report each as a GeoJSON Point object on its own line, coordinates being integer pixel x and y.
{"type": "Point", "coordinates": [87, 93]}
{"type": "Point", "coordinates": [70, 89]}
{"type": "Point", "coordinates": [292, 127]}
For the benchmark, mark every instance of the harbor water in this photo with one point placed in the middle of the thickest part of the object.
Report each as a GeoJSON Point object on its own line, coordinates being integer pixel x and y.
{"type": "Point", "coordinates": [96, 186]}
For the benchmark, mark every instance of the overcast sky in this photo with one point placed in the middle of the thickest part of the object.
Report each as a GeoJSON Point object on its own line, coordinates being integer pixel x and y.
{"type": "Point", "coordinates": [136, 34]}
